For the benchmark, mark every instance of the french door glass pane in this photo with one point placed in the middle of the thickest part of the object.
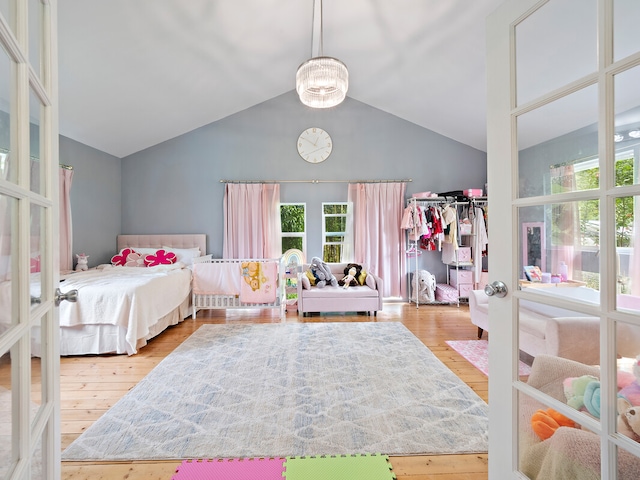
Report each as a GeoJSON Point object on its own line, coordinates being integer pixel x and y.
{"type": "Point", "coordinates": [555, 46]}
{"type": "Point", "coordinates": [6, 427]}
{"type": "Point", "coordinates": [558, 145]}
{"type": "Point", "coordinates": [8, 170]}
{"type": "Point", "coordinates": [551, 444]}
{"type": "Point", "coordinates": [8, 262]}
{"type": "Point", "coordinates": [36, 253]}
{"type": "Point", "coordinates": [5, 11]}
{"type": "Point", "coordinates": [626, 35]}
{"type": "Point", "coordinates": [562, 240]}
{"type": "Point", "coordinates": [628, 253]}
{"type": "Point", "coordinates": [37, 174]}
{"type": "Point", "coordinates": [627, 126]}
{"type": "Point", "coordinates": [35, 40]}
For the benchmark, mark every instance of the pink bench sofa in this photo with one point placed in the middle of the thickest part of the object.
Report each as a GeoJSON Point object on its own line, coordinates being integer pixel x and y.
{"type": "Point", "coordinates": [362, 298]}
{"type": "Point", "coordinates": [562, 333]}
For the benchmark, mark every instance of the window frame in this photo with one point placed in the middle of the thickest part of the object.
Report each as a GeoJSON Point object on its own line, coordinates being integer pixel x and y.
{"type": "Point", "coordinates": [303, 234]}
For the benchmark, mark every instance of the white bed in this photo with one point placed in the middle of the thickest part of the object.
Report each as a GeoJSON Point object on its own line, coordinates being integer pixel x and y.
{"type": "Point", "coordinates": [120, 308]}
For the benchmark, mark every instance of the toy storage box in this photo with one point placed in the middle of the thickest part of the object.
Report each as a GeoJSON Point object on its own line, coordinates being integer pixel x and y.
{"type": "Point", "coordinates": [464, 254]}
{"type": "Point", "coordinates": [446, 293]}
{"type": "Point", "coordinates": [460, 277]}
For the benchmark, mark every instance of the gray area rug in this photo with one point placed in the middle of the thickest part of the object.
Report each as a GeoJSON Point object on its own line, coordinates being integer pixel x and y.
{"type": "Point", "coordinates": [291, 390]}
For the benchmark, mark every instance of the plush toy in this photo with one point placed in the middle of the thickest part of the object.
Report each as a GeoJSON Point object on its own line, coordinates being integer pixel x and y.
{"type": "Point", "coordinates": [574, 388]}
{"type": "Point", "coordinates": [423, 286]}
{"type": "Point", "coordinates": [629, 405]}
{"type": "Point", "coordinates": [351, 279]}
{"type": "Point", "coordinates": [322, 272]}
{"type": "Point", "coordinates": [546, 422]}
{"type": "Point", "coordinates": [83, 262]}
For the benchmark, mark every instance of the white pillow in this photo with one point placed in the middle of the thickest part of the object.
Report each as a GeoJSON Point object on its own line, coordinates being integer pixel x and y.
{"type": "Point", "coordinates": [185, 255]}
{"type": "Point", "coordinates": [144, 251]}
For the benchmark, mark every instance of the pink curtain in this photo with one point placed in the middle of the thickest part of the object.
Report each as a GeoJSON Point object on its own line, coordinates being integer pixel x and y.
{"type": "Point", "coordinates": [66, 231]}
{"type": "Point", "coordinates": [565, 228]}
{"type": "Point", "coordinates": [377, 236]}
{"type": "Point", "coordinates": [252, 221]}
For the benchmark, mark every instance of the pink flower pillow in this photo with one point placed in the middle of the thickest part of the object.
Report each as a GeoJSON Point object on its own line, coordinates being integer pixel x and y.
{"type": "Point", "coordinates": [135, 259]}
{"type": "Point", "coordinates": [120, 259]}
{"type": "Point", "coordinates": [161, 257]}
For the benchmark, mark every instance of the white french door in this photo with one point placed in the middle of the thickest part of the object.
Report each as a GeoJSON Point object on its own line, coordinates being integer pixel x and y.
{"type": "Point", "coordinates": [29, 253]}
{"type": "Point", "coordinates": [563, 160]}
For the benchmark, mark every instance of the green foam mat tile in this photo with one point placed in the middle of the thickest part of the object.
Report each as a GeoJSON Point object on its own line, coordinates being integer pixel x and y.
{"type": "Point", "coordinates": [342, 467]}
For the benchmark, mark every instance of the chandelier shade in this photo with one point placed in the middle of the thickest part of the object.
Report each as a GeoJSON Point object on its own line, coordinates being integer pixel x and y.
{"type": "Point", "coordinates": [322, 82]}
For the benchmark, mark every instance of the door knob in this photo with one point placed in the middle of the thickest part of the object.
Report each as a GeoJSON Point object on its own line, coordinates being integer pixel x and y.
{"type": "Point", "coordinates": [496, 288]}
{"type": "Point", "coordinates": [70, 296]}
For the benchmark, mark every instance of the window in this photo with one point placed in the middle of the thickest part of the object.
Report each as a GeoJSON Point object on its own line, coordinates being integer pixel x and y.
{"type": "Point", "coordinates": [334, 226]}
{"type": "Point", "coordinates": [293, 221]}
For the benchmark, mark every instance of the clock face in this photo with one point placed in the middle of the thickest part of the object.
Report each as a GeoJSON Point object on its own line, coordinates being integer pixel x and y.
{"type": "Point", "coordinates": [314, 145]}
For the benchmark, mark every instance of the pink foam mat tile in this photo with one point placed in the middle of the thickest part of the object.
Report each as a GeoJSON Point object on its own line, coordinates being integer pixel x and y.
{"type": "Point", "coordinates": [231, 469]}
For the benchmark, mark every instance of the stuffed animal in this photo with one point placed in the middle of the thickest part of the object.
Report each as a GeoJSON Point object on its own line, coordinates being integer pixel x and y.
{"type": "Point", "coordinates": [423, 286]}
{"type": "Point", "coordinates": [629, 406]}
{"type": "Point", "coordinates": [351, 278]}
{"type": "Point", "coordinates": [83, 262]}
{"type": "Point", "coordinates": [574, 388]}
{"type": "Point", "coordinates": [322, 272]}
{"type": "Point", "coordinates": [546, 422]}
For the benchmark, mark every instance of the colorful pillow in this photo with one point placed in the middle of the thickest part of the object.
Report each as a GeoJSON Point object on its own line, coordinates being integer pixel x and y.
{"type": "Point", "coordinates": [311, 277]}
{"type": "Point", "coordinates": [362, 277]}
{"type": "Point", "coordinates": [306, 283]}
{"type": "Point", "coordinates": [135, 259]}
{"type": "Point", "coordinates": [120, 259]}
{"type": "Point", "coordinates": [161, 257]}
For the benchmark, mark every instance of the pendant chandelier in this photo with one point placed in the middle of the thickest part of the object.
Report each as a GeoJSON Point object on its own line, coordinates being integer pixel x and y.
{"type": "Point", "coordinates": [322, 82]}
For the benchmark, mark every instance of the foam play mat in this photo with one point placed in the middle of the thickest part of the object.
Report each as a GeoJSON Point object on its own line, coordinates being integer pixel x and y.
{"type": "Point", "coordinates": [337, 467]}
{"type": "Point", "coordinates": [340, 467]}
{"type": "Point", "coordinates": [231, 469]}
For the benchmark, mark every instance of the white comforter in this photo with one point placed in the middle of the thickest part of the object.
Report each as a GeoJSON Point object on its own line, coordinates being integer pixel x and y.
{"type": "Point", "coordinates": [130, 297]}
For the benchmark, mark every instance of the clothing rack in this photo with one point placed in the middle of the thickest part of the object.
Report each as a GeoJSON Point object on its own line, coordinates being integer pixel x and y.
{"type": "Point", "coordinates": [437, 201]}
{"type": "Point", "coordinates": [406, 180]}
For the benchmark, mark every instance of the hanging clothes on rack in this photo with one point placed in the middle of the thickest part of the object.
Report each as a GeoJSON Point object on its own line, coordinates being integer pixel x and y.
{"type": "Point", "coordinates": [450, 225]}
{"type": "Point", "coordinates": [480, 241]}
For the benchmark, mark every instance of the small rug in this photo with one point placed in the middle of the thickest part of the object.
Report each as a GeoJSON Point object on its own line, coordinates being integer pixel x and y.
{"type": "Point", "coordinates": [291, 390]}
{"type": "Point", "coordinates": [476, 352]}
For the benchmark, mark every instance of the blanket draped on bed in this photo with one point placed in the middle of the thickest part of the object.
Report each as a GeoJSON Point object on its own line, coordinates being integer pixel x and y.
{"type": "Point", "coordinates": [132, 298]}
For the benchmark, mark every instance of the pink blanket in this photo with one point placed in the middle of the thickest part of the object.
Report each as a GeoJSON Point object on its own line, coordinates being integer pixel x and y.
{"type": "Point", "coordinates": [259, 282]}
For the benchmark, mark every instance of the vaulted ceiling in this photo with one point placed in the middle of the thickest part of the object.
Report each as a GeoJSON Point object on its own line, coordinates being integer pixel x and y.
{"type": "Point", "coordinates": [136, 73]}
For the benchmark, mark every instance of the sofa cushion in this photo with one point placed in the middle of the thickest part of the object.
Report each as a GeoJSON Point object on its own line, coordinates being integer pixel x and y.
{"type": "Point", "coordinates": [306, 283]}
{"type": "Point", "coordinates": [339, 292]}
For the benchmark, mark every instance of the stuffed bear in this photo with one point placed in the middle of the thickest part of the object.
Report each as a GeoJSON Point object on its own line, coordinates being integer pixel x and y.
{"type": "Point", "coordinates": [423, 286]}
{"type": "Point", "coordinates": [322, 272]}
{"type": "Point", "coordinates": [351, 278]}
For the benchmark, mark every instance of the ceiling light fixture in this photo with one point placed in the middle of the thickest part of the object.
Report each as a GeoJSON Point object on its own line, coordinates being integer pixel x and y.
{"type": "Point", "coordinates": [635, 133]}
{"type": "Point", "coordinates": [321, 82]}
{"type": "Point", "coordinates": [618, 137]}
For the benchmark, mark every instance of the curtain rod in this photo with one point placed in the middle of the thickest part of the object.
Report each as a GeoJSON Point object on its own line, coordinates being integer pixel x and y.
{"type": "Point", "coordinates": [66, 167]}
{"type": "Point", "coordinates": [62, 165]}
{"type": "Point", "coordinates": [317, 181]}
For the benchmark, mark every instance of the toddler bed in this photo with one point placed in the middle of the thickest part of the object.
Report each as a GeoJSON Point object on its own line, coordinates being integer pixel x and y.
{"type": "Point", "coordinates": [120, 308]}
{"type": "Point", "coordinates": [238, 284]}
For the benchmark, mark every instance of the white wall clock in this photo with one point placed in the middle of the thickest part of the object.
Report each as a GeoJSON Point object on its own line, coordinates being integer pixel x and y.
{"type": "Point", "coordinates": [314, 145]}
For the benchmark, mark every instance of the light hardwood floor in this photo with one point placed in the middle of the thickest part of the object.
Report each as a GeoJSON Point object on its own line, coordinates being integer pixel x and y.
{"type": "Point", "coordinates": [91, 385]}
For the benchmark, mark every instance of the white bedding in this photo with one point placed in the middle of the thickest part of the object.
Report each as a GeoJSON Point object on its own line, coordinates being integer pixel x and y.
{"type": "Point", "coordinates": [129, 297]}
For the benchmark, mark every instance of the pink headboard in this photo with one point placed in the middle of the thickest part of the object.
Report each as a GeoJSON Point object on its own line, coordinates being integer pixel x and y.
{"type": "Point", "coordinates": [189, 240]}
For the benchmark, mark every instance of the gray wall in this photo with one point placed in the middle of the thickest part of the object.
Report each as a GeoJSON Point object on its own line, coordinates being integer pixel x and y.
{"type": "Point", "coordinates": [174, 187]}
{"type": "Point", "coordinates": [96, 199]}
